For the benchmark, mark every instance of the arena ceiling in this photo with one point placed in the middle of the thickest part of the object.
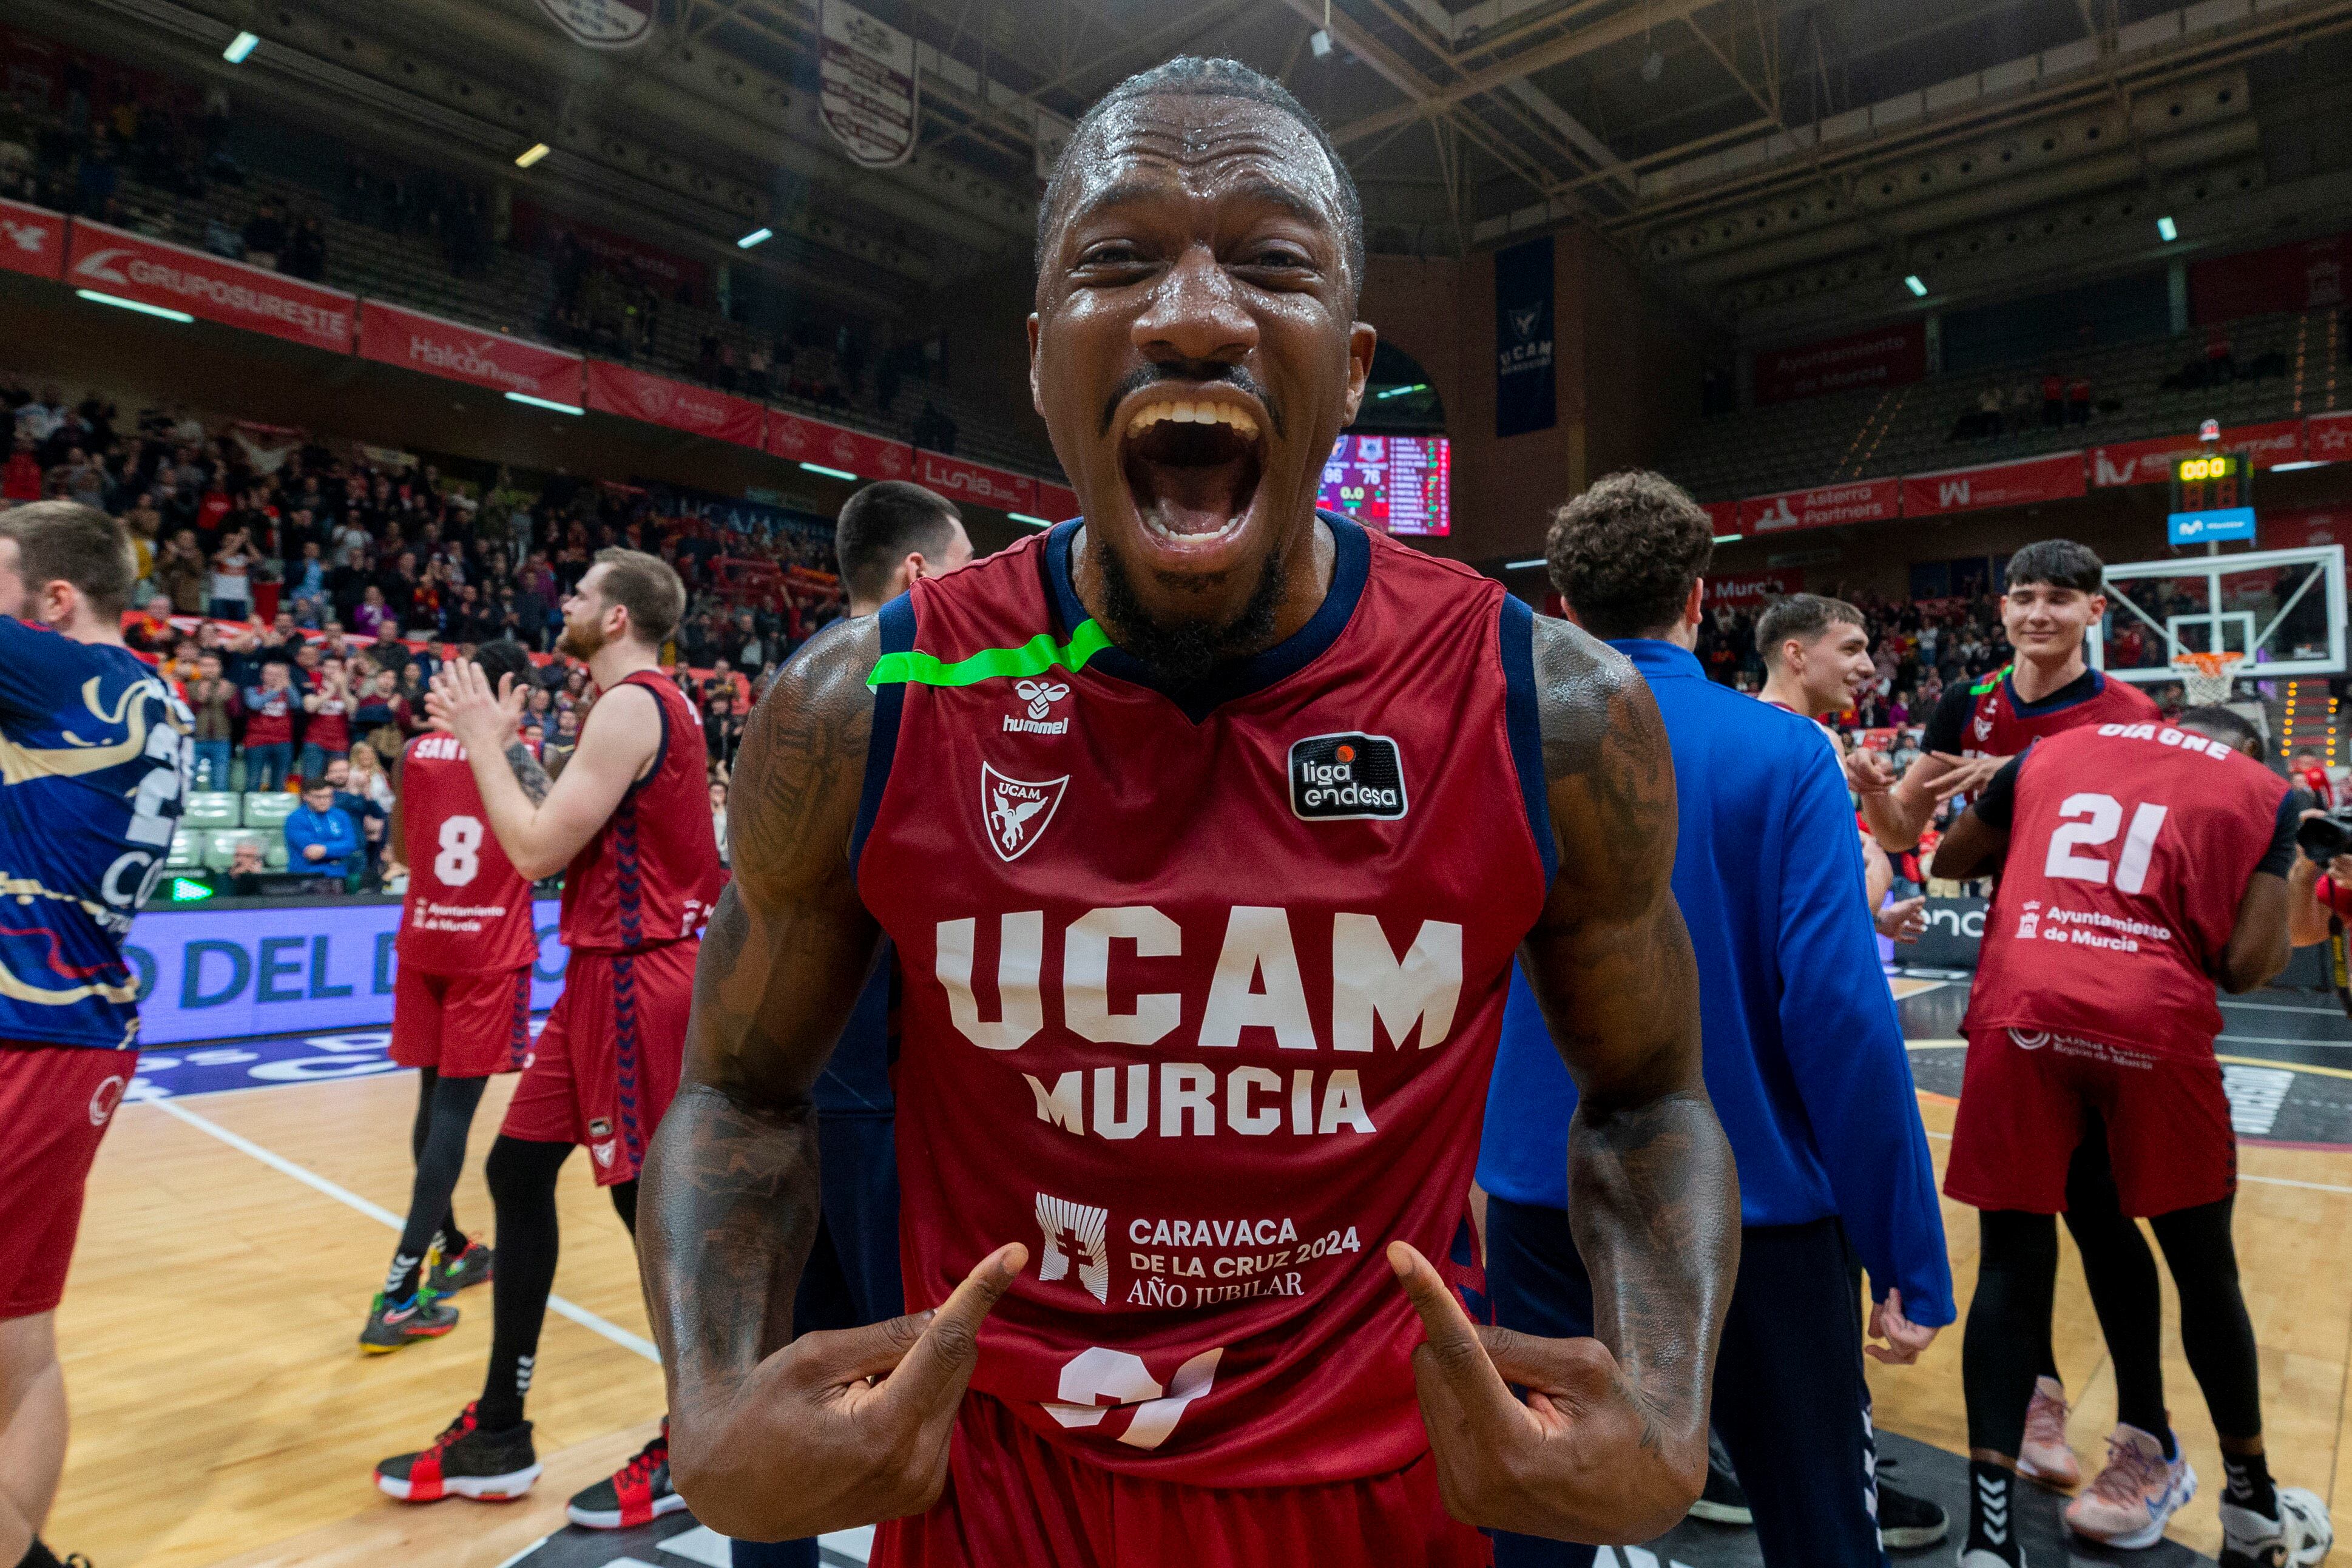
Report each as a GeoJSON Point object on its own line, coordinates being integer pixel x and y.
{"type": "Point", "coordinates": [1779, 163]}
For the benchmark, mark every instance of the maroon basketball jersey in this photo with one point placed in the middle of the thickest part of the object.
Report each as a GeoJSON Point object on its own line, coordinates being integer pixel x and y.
{"type": "Point", "coordinates": [2130, 847]}
{"type": "Point", "coordinates": [1201, 993]}
{"type": "Point", "coordinates": [468, 910]}
{"type": "Point", "coordinates": [1999, 725]}
{"type": "Point", "coordinates": [651, 873]}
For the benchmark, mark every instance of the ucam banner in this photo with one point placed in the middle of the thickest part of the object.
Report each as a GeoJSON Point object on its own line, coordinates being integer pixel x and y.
{"type": "Point", "coordinates": [960, 481]}
{"type": "Point", "coordinates": [2057, 477]}
{"type": "Point", "coordinates": [602, 24]}
{"type": "Point", "coordinates": [1864, 500]}
{"type": "Point", "coordinates": [133, 267]}
{"type": "Point", "coordinates": [804, 440]}
{"type": "Point", "coordinates": [1886, 356]}
{"type": "Point", "coordinates": [32, 239]}
{"type": "Point", "coordinates": [1725, 515]}
{"type": "Point", "coordinates": [2150, 462]}
{"type": "Point", "coordinates": [867, 93]}
{"type": "Point", "coordinates": [1750, 590]}
{"type": "Point", "coordinates": [677, 405]}
{"type": "Point", "coordinates": [1527, 394]}
{"type": "Point", "coordinates": [390, 334]}
{"type": "Point", "coordinates": [211, 971]}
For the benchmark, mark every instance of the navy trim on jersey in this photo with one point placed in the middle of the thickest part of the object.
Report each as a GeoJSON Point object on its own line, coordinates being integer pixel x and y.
{"type": "Point", "coordinates": [2058, 700]}
{"type": "Point", "coordinates": [661, 711]}
{"type": "Point", "coordinates": [1243, 677]}
{"type": "Point", "coordinates": [896, 623]}
{"type": "Point", "coordinates": [1525, 722]}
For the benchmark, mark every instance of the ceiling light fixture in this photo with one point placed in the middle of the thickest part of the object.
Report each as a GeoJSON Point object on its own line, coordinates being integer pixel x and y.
{"type": "Point", "coordinates": [532, 154]}
{"type": "Point", "coordinates": [240, 46]}
{"type": "Point", "coordinates": [1523, 565]}
{"type": "Point", "coordinates": [1729, 538]}
{"type": "Point", "coordinates": [756, 236]}
{"type": "Point", "coordinates": [547, 403]}
{"type": "Point", "coordinates": [2167, 230]}
{"type": "Point", "coordinates": [1031, 521]}
{"type": "Point", "coordinates": [1911, 281]}
{"type": "Point", "coordinates": [830, 473]}
{"type": "Point", "coordinates": [95, 297]}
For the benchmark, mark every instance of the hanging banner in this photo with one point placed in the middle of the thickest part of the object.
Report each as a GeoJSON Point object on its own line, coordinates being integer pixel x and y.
{"type": "Point", "coordinates": [806, 440]}
{"type": "Point", "coordinates": [32, 239]}
{"type": "Point", "coordinates": [1886, 356]}
{"type": "Point", "coordinates": [133, 267]}
{"type": "Point", "coordinates": [544, 233]}
{"type": "Point", "coordinates": [1049, 133]}
{"type": "Point", "coordinates": [2306, 275]}
{"type": "Point", "coordinates": [2306, 525]}
{"type": "Point", "coordinates": [391, 335]}
{"type": "Point", "coordinates": [602, 24]}
{"type": "Point", "coordinates": [677, 405]}
{"type": "Point", "coordinates": [2058, 476]}
{"type": "Point", "coordinates": [1864, 500]}
{"type": "Point", "coordinates": [976, 482]}
{"type": "Point", "coordinates": [2149, 462]}
{"type": "Point", "coordinates": [867, 96]}
{"type": "Point", "coordinates": [2329, 437]}
{"type": "Point", "coordinates": [1056, 503]}
{"type": "Point", "coordinates": [1751, 590]}
{"type": "Point", "coordinates": [1527, 396]}
{"type": "Point", "coordinates": [1725, 515]}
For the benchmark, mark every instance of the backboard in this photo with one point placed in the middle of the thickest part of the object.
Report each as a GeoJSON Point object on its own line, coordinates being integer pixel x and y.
{"type": "Point", "coordinates": [2284, 609]}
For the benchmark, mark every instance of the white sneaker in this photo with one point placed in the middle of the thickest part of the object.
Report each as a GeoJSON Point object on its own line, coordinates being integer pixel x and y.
{"type": "Point", "coordinates": [2300, 1536]}
{"type": "Point", "coordinates": [2045, 1456]}
{"type": "Point", "coordinates": [2136, 1495]}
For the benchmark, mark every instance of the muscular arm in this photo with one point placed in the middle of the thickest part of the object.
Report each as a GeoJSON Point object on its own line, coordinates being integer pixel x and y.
{"type": "Point", "coordinates": [1970, 847]}
{"type": "Point", "coordinates": [1652, 1197]}
{"type": "Point", "coordinates": [542, 826]}
{"type": "Point", "coordinates": [2258, 946]}
{"type": "Point", "coordinates": [730, 1184]}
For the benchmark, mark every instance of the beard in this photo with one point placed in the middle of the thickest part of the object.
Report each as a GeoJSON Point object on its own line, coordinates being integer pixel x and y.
{"type": "Point", "coordinates": [1180, 654]}
{"type": "Point", "coordinates": [582, 639]}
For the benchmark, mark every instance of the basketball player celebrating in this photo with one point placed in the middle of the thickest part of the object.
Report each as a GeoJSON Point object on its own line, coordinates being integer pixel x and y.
{"type": "Point", "coordinates": [95, 753]}
{"type": "Point", "coordinates": [2053, 597]}
{"type": "Point", "coordinates": [460, 1005]}
{"type": "Point", "coordinates": [890, 535]}
{"type": "Point", "coordinates": [629, 825]}
{"type": "Point", "coordinates": [2140, 861]}
{"type": "Point", "coordinates": [1203, 960]}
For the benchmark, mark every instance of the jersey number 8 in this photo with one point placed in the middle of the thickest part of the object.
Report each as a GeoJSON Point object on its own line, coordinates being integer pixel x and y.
{"type": "Point", "coordinates": [461, 851]}
{"type": "Point", "coordinates": [2102, 813]}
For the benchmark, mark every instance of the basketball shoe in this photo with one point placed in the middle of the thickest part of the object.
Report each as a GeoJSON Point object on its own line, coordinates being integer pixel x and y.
{"type": "Point", "coordinates": [2299, 1537]}
{"type": "Point", "coordinates": [2046, 1456]}
{"type": "Point", "coordinates": [464, 1461]}
{"type": "Point", "coordinates": [447, 1276]}
{"type": "Point", "coordinates": [389, 1327]}
{"type": "Point", "coordinates": [2136, 1494]}
{"type": "Point", "coordinates": [637, 1493]}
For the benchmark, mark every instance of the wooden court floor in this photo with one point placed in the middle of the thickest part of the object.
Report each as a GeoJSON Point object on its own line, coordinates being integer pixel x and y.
{"type": "Point", "coordinates": [224, 1415]}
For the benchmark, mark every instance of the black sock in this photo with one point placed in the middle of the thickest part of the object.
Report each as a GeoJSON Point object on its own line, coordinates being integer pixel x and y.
{"type": "Point", "coordinates": [38, 1556]}
{"type": "Point", "coordinates": [452, 1241]}
{"type": "Point", "coordinates": [439, 1145]}
{"type": "Point", "coordinates": [1992, 1513]}
{"type": "Point", "coordinates": [2249, 1485]}
{"type": "Point", "coordinates": [522, 1177]}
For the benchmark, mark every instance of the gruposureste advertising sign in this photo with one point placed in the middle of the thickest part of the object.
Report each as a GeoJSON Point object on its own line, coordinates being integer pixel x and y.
{"type": "Point", "coordinates": [133, 267]}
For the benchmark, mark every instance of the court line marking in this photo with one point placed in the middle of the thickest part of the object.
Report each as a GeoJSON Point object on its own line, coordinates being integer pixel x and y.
{"type": "Point", "coordinates": [635, 1344]}
{"type": "Point", "coordinates": [2281, 1007]}
{"type": "Point", "coordinates": [2312, 1068]}
{"type": "Point", "coordinates": [2266, 1180]}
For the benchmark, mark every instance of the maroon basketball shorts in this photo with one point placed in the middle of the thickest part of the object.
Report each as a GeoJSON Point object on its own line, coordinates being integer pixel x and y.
{"type": "Point", "coordinates": [1013, 1498]}
{"type": "Point", "coordinates": [56, 1104]}
{"type": "Point", "coordinates": [2028, 1096]}
{"type": "Point", "coordinates": [606, 1066]}
{"type": "Point", "coordinates": [462, 1026]}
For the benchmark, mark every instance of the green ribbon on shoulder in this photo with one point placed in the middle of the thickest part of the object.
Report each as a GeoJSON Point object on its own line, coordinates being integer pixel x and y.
{"type": "Point", "coordinates": [1038, 655]}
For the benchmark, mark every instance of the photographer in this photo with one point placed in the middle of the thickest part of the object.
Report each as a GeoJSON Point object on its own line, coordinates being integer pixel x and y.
{"type": "Point", "coordinates": [2319, 892]}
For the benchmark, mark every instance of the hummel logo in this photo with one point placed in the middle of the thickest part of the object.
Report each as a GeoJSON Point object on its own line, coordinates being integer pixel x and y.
{"type": "Point", "coordinates": [1041, 696]}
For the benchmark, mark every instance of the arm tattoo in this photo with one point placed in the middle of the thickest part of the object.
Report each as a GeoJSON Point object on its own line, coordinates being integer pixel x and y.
{"type": "Point", "coordinates": [1655, 1202]}
{"type": "Point", "coordinates": [731, 1180]}
{"type": "Point", "coordinates": [528, 772]}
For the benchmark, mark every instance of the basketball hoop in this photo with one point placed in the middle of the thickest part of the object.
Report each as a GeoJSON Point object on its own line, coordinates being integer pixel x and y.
{"type": "Point", "coordinates": [2207, 677]}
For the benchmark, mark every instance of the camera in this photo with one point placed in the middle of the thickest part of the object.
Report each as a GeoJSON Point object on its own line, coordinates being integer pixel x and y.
{"type": "Point", "coordinates": [2322, 838]}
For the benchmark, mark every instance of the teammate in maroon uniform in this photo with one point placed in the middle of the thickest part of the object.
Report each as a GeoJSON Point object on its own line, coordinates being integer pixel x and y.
{"type": "Point", "coordinates": [629, 825]}
{"type": "Point", "coordinates": [1205, 831]}
{"type": "Point", "coordinates": [2142, 860]}
{"type": "Point", "coordinates": [460, 1009]}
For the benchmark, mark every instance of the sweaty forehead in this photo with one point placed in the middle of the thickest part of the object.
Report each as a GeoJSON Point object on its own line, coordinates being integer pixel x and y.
{"type": "Point", "coordinates": [1199, 144]}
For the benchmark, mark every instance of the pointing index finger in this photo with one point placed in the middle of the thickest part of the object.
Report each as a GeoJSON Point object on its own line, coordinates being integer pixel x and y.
{"type": "Point", "coordinates": [1456, 1353]}
{"type": "Point", "coordinates": [936, 1370]}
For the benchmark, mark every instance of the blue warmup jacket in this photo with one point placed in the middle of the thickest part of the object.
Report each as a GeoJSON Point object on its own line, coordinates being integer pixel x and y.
{"type": "Point", "coordinates": [331, 829]}
{"type": "Point", "coordinates": [1804, 1056]}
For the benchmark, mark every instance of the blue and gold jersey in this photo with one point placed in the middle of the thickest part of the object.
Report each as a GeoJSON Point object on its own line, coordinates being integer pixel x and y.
{"type": "Point", "coordinates": [94, 753]}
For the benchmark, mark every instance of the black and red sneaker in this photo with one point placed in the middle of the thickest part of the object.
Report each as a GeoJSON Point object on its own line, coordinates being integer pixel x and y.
{"type": "Point", "coordinates": [637, 1493]}
{"type": "Point", "coordinates": [464, 1461]}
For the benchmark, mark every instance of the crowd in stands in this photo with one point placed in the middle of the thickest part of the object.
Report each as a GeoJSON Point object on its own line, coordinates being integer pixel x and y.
{"type": "Point", "coordinates": [71, 148]}
{"type": "Point", "coordinates": [2042, 402]}
{"type": "Point", "coordinates": [303, 596]}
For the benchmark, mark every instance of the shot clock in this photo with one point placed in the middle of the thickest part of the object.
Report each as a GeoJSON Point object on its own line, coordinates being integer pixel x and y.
{"type": "Point", "coordinates": [2212, 498]}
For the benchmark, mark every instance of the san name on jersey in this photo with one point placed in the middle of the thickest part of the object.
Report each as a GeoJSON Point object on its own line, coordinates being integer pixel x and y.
{"type": "Point", "coordinates": [2130, 846]}
{"type": "Point", "coordinates": [651, 874]}
{"type": "Point", "coordinates": [468, 910]}
{"type": "Point", "coordinates": [95, 749]}
{"type": "Point", "coordinates": [1199, 995]}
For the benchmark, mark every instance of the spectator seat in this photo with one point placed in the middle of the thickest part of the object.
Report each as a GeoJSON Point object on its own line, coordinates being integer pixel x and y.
{"type": "Point", "coordinates": [211, 809]}
{"type": "Point", "coordinates": [270, 808]}
{"type": "Point", "coordinates": [188, 847]}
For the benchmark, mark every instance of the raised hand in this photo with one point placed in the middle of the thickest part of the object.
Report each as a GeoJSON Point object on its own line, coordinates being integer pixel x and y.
{"type": "Point", "coordinates": [461, 703]}
{"type": "Point", "coordinates": [1580, 1460]}
{"type": "Point", "coordinates": [1963, 775]}
{"type": "Point", "coordinates": [1868, 772]}
{"type": "Point", "coordinates": [841, 1429]}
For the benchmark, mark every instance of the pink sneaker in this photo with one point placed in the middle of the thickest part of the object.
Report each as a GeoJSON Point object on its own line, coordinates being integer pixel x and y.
{"type": "Point", "coordinates": [2046, 1456]}
{"type": "Point", "coordinates": [2136, 1495]}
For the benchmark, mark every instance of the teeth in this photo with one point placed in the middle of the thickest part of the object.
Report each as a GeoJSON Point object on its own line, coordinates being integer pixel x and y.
{"type": "Point", "coordinates": [1175, 412]}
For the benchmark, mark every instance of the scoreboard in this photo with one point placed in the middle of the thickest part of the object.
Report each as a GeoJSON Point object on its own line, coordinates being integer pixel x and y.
{"type": "Point", "coordinates": [1397, 484]}
{"type": "Point", "coordinates": [2212, 498]}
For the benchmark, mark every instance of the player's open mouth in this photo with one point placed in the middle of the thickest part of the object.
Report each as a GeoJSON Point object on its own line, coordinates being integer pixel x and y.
{"type": "Point", "coordinates": [1191, 466]}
